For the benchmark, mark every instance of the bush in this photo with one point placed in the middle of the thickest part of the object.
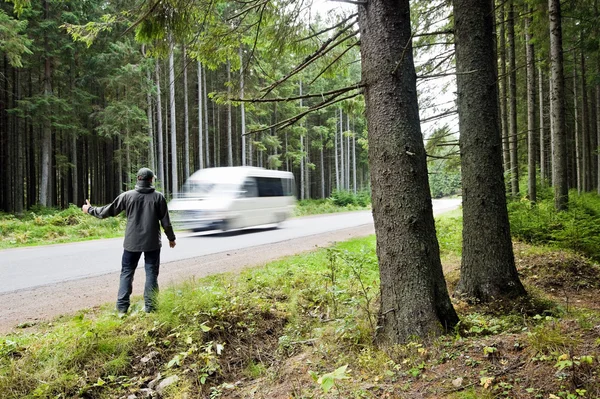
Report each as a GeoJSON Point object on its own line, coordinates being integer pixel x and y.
{"type": "Point", "coordinates": [346, 198]}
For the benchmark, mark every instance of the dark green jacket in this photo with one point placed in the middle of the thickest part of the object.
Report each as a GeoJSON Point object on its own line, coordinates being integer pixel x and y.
{"type": "Point", "coordinates": [145, 209]}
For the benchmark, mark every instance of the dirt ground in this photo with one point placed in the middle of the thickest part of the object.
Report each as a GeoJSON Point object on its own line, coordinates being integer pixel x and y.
{"type": "Point", "coordinates": [29, 307]}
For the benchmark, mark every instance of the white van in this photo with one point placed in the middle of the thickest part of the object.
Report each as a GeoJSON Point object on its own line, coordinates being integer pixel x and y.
{"type": "Point", "coordinates": [233, 198]}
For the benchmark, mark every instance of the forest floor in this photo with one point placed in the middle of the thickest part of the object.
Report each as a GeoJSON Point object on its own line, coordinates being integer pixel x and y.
{"type": "Point", "coordinates": [552, 354]}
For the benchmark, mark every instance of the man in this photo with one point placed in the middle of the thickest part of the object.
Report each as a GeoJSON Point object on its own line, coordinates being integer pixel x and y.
{"type": "Point", "coordinates": [145, 208]}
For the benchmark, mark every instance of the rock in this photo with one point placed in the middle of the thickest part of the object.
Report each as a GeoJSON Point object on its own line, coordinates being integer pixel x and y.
{"type": "Point", "coordinates": [152, 384]}
{"type": "Point", "coordinates": [457, 382]}
{"type": "Point", "coordinates": [149, 357]}
{"type": "Point", "coordinates": [164, 384]}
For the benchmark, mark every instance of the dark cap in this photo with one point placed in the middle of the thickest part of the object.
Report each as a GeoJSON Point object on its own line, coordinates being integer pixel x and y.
{"type": "Point", "coordinates": [145, 174]}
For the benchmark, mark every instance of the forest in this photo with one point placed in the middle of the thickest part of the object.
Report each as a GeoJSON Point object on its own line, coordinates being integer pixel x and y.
{"type": "Point", "coordinates": [498, 101]}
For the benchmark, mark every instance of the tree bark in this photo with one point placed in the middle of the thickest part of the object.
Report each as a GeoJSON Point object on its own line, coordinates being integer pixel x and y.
{"type": "Point", "coordinates": [488, 269]}
{"type": "Point", "coordinates": [229, 123]}
{"type": "Point", "coordinates": [414, 296]}
{"type": "Point", "coordinates": [186, 119]}
{"type": "Point", "coordinates": [503, 92]}
{"type": "Point", "coordinates": [543, 147]}
{"type": "Point", "coordinates": [160, 173]}
{"type": "Point", "coordinates": [585, 129]}
{"type": "Point", "coordinates": [512, 103]}
{"type": "Point", "coordinates": [531, 131]}
{"type": "Point", "coordinates": [242, 108]}
{"type": "Point", "coordinates": [173, 120]}
{"type": "Point", "coordinates": [200, 120]}
{"type": "Point", "coordinates": [557, 95]}
{"type": "Point", "coordinates": [45, 187]}
{"type": "Point", "coordinates": [576, 124]}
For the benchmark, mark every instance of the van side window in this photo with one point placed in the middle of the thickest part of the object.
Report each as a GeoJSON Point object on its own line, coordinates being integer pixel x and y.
{"type": "Point", "coordinates": [249, 190]}
{"type": "Point", "coordinates": [269, 187]}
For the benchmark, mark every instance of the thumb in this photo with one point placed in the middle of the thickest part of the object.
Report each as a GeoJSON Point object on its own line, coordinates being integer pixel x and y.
{"type": "Point", "coordinates": [88, 202]}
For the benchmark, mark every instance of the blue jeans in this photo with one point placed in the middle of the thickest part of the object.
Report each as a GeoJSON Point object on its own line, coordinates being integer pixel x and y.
{"type": "Point", "coordinates": [128, 265]}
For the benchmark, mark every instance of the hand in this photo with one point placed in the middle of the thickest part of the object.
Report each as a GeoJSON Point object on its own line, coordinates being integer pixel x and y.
{"type": "Point", "coordinates": [85, 208]}
{"type": "Point", "coordinates": [172, 244]}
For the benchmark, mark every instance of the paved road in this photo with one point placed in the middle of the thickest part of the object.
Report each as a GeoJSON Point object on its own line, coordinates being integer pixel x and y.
{"type": "Point", "coordinates": [24, 268]}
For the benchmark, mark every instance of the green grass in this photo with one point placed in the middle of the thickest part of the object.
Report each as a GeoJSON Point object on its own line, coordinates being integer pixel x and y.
{"type": "Point", "coordinates": [48, 226]}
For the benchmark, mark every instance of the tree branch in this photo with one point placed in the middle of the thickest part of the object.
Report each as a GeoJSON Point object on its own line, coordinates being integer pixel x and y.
{"type": "Point", "coordinates": [290, 121]}
{"type": "Point", "coordinates": [305, 96]}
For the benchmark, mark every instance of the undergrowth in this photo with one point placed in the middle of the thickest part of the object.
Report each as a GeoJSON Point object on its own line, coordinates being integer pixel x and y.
{"type": "Point", "coordinates": [576, 229]}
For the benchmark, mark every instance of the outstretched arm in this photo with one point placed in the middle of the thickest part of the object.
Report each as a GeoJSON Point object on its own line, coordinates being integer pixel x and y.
{"type": "Point", "coordinates": [112, 209]}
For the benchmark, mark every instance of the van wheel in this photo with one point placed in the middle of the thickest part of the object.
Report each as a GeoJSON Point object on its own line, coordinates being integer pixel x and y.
{"type": "Point", "coordinates": [226, 225]}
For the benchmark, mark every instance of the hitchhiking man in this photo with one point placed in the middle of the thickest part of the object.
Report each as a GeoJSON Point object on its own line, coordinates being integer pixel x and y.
{"type": "Point", "coordinates": [145, 209]}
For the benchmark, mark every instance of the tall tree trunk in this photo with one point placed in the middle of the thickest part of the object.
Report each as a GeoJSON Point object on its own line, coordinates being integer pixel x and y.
{"type": "Point", "coordinates": [503, 92]}
{"type": "Point", "coordinates": [20, 156]}
{"type": "Point", "coordinates": [335, 148]}
{"type": "Point", "coordinates": [414, 296]}
{"type": "Point", "coordinates": [557, 96]}
{"type": "Point", "coordinates": [302, 182]}
{"type": "Point", "coordinates": [45, 185]}
{"type": "Point", "coordinates": [322, 164]}
{"type": "Point", "coordinates": [207, 142]}
{"type": "Point", "coordinates": [354, 161]}
{"type": "Point", "coordinates": [598, 136]}
{"type": "Point", "coordinates": [585, 128]}
{"type": "Point", "coordinates": [186, 119]}
{"type": "Point", "coordinates": [242, 108]}
{"type": "Point", "coordinates": [578, 170]}
{"type": "Point", "coordinates": [512, 103]}
{"type": "Point", "coordinates": [200, 120]}
{"type": "Point", "coordinates": [229, 116]}
{"type": "Point", "coordinates": [160, 173]}
{"type": "Point", "coordinates": [543, 147]}
{"type": "Point", "coordinates": [173, 120]}
{"type": "Point", "coordinates": [531, 132]}
{"type": "Point", "coordinates": [342, 153]}
{"type": "Point", "coordinates": [151, 159]}
{"type": "Point", "coordinates": [488, 269]}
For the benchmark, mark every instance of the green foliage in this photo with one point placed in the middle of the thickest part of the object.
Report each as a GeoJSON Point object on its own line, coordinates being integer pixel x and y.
{"type": "Point", "coordinates": [577, 229]}
{"type": "Point", "coordinates": [13, 43]}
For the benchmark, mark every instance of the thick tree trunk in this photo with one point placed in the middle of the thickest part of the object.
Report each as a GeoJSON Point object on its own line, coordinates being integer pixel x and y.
{"type": "Point", "coordinates": [557, 96]}
{"type": "Point", "coordinates": [488, 269]}
{"type": "Point", "coordinates": [512, 103]}
{"type": "Point", "coordinates": [414, 296]}
{"type": "Point", "coordinates": [531, 131]}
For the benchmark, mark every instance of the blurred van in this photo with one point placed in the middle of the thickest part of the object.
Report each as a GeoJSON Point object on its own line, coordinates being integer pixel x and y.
{"type": "Point", "coordinates": [233, 198]}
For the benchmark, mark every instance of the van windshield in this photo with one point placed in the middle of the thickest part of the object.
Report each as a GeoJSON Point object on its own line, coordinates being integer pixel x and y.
{"type": "Point", "coordinates": [208, 189]}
